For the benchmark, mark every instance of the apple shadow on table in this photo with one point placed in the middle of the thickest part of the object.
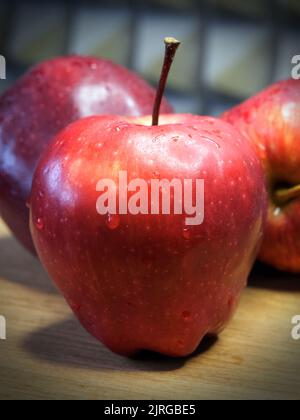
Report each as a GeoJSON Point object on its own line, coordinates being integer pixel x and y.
{"type": "Point", "coordinates": [67, 343]}
{"type": "Point", "coordinates": [18, 266]}
{"type": "Point", "coordinates": [266, 277]}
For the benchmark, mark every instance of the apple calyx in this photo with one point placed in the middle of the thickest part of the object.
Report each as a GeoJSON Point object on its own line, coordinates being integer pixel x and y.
{"type": "Point", "coordinates": [283, 196]}
{"type": "Point", "coordinates": [171, 47]}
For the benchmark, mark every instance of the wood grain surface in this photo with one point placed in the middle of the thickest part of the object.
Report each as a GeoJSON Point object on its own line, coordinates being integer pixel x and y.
{"type": "Point", "coordinates": [47, 354]}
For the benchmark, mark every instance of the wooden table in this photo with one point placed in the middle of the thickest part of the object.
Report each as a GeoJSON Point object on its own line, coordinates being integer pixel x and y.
{"type": "Point", "coordinates": [47, 354]}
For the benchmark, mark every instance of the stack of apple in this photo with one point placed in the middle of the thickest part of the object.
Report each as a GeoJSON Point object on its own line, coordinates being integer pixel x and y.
{"type": "Point", "coordinates": [147, 281]}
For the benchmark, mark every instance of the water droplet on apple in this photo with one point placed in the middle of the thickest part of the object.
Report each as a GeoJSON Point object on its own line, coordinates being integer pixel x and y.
{"type": "Point", "coordinates": [118, 129]}
{"type": "Point", "coordinates": [39, 223]}
{"type": "Point", "coordinates": [218, 132]}
{"type": "Point", "coordinates": [277, 211]}
{"type": "Point", "coordinates": [211, 141]}
{"type": "Point", "coordinates": [156, 174]}
{"type": "Point", "coordinates": [186, 233]}
{"type": "Point", "coordinates": [113, 221]}
{"type": "Point", "coordinates": [186, 315]}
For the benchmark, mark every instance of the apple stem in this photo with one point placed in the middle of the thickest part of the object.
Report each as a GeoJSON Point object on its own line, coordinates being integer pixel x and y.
{"type": "Point", "coordinates": [284, 195]}
{"type": "Point", "coordinates": [171, 47]}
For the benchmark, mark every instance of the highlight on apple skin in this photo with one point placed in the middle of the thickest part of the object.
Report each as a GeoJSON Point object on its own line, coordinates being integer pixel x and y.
{"type": "Point", "coordinates": [43, 102]}
{"type": "Point", "coordinates": [148, 281]}
{"type": "Point", "coordinates": [271, 121]}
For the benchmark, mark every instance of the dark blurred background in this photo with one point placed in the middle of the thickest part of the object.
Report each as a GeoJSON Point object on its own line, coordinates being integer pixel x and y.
{"type": "Point", "coordinates": [231, 48]}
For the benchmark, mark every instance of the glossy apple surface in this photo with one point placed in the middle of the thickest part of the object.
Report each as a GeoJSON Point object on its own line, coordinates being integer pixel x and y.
{"type": "Point", "coordinates": [44, 101]}
{"type": "Point", "coordinates": [149, 281]}
{"type": "Point", "coordinates": [271, 120]}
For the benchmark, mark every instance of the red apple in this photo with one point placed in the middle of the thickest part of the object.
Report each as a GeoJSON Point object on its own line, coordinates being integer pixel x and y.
{"type": "Point", "coordinates": [44, 101]}
{"type": "Point", "coordinates": [149, 281]}
{"type": "Point", "coordinates": [271, 121]}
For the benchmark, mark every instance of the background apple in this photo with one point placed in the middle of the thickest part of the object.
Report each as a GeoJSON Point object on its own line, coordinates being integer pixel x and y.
{"type": "Point", "coordinates": [271, 120]}
{"type": "Point", "coordinates": [44, 101]}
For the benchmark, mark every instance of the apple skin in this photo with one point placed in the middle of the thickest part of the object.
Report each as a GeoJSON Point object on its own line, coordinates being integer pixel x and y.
{"type": "Point", "coordinates": [43, 102]}
{"type": "Point", "coordinates": [271, 120]}
{"type": "Point", "coordinates": [147, 281]}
